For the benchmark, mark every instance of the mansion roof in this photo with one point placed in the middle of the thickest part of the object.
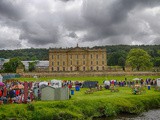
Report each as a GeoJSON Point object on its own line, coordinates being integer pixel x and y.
{"type": "Point", "coordinates": [85, 49]}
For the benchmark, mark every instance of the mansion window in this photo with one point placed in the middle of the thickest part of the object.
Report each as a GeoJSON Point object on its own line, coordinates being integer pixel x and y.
{"type": "Point", "coordinates": [52, 57]}
{"type": "Point", "coordinates": [91, 62]}
{"type": "Point", "coordinates": [91, 68]}
{"type": "Point", "coordinates": [70, 56]}
{"type": "Point", "coordinates": [83, 62]}
{"type": "Point", "coordinates": [57, 68]}
{"type": "Point", "coordinates": [71, 68]}
{"type": "Point", "coordinates": [103, 68]}
{"type": "Point", "coordinates": [77, 56]}
{"type": "Point", "coordinates": [63, 63]}
{"type": "Point", "coordinates": [102, 62]}
{"type": "Point", "coordinates": [84, 56]}
{"type": "Point", "coordinates": [97, 56]}
{"type": "Point", "coordinates": [83, 68]}
{"type": "Point", "coordinates": [52, 69]}
{"type": "Point", "coordinates": [97, 62]}
{"type": "Point", "coordinates": [57, 56]}
{"type": "Point", "coordinates": [57, 63]}
{"type": "Point", "coordinates": [97, 67]}
{"type": "Point", "coordinates": [63, 68]}
{"type": "Point", "coordinates": [52, 63]}
{"type": "Point", "coordinates": [102, 55]}
{"type": "Point", "coordinates": [91, 56]}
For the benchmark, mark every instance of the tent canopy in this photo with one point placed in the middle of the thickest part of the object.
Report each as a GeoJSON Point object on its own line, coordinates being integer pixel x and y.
{"type": "Point", "coordinates": [1, 84]}
{"type": "Point", "coordinates": [136, 79]}
{"type": "Point", "coordinates": [89, 84]}
{"type": "Point", "coordinates": [56, 83]}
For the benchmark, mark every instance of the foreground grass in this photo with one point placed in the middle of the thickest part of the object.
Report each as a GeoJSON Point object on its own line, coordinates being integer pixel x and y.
{"type": "Point", "coordinates": [84, 106]}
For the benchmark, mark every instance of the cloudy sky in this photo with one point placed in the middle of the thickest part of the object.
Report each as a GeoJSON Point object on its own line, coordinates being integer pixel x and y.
{"type": "Point", "coordinates": [64, 23]}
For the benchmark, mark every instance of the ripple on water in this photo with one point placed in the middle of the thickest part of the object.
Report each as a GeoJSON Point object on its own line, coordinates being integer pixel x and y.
{"type": "Point", "coordinates": [150, 115]}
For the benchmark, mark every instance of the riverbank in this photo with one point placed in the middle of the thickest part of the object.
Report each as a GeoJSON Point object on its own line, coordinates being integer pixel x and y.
{"type": "Point", "coordinates": [153, 114]}
{"type": "Point", "coordinates": [84, 106]}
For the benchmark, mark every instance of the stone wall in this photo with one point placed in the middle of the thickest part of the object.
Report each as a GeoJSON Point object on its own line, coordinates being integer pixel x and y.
{"type": "Point", "coordinates": [104, 73]}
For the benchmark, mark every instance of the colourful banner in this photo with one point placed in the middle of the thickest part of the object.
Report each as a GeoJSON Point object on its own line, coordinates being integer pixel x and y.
{"type": "Point", "coordinates": [25, 91]}
{"type": "Point", "coordinates": [4, 92]}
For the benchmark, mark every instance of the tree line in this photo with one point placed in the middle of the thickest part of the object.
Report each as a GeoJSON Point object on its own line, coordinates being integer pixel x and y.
{"type": "Point", "coordinates": [139, 57]}
{"type": "Point", "coordinates": [25, 54]}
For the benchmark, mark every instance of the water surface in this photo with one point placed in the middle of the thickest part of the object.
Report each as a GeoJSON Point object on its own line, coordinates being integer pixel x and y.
{"type": "Point", "coordinates": [149, 115]}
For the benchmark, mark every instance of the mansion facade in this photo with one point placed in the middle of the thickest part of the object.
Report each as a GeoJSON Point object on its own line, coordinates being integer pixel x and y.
{"type": "Point", "coordinates": [77, 59]}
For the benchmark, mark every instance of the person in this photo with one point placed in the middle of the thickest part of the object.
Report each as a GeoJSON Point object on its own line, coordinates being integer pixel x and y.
{"type": "Point", "coordinates": [107, 84]}
{"type": "Point", "coordinates": [28, 99]}
{"type": "Point", "coordinates": [17, 99]}
{"type": "Point", "coordinates": [90, 86]}
{"type": "Point", "coordinates": [17, 92]}
{"type": "Point", "coordinates": [11, 93]}
{"type": "Point", "coordinates": [39, 94]}
{"type": "Point", "coordinates": [10, 100]}
{"type": "Point", "coordinates": [1, 102]}
{"type": "Point", "coordinates": [112, 82]}
{"type": "Point", "coordinates": [1, 93]}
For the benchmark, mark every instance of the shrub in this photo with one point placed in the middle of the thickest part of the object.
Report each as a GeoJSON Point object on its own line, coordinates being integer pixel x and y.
{"type": "Point", "coordinates": [30, 107]}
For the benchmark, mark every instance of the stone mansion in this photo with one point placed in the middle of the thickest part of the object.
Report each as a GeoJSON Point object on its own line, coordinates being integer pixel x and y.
{"type": "Point", "coordinates": [77, 59]}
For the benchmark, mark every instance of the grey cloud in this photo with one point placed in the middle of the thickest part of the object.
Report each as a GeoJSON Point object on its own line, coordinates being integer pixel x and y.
{"type": "Point", "coordinates": [11, 10]}
{"type": "Point", "coordinates": [9, 43]}
{"type": "Point", "coordinates": [65, 0]}
{"type": "Point", "coordinates": [156, 41]}
{"type": "Point", "coordinates": [109, 21]}
{"type": "Point", "coordinates": [72, 21]}
{"type": "Point", "coordinates": [73, 35]}
{"type": "Point", "coordinates": [39, 33]}
{"type": "Point", "coordinates": [105, 19]}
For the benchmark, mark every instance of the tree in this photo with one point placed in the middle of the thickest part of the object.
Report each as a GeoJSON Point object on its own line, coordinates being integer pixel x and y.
{"type": "Point", "coordinates": [12, 65]}
{"type": "Point", "coordinates": [157, 59]}
{"type": "Point", "coordinates": [121, 62]}
{"type": "Point", "coordinates": [32, 66]}
{"type": "Point", "coordinates": [139, 59]}
{"type": "Point", "coordinates": [117, 58]}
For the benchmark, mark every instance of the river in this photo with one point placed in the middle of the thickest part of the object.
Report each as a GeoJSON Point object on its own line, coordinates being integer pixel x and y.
{"type": "Point", "coordinates": [149, 115]}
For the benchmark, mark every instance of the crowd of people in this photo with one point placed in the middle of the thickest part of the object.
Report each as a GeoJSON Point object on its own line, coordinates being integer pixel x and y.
{"type": "Point", "coordinates": [14, 91]}
{"type": "Point", "coordinates": [129, 83]}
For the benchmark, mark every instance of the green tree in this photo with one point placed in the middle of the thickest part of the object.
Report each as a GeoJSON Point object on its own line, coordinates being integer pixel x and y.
{"type": "Point", "coordinates": [121, 62]}
{"type": "Point", "coordinates": [139, 59]}
{"type": "Point", "coordinates": [32, 66]}
{"type": "Point", "coordinates": [157, 62]}
{"type": "Point", "coordinates": [12, 65]}
{"type": "Point", "coordinates": [117, 58]}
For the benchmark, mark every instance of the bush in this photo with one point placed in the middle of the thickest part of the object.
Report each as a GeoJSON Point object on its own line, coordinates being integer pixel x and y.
{"type": "Point", "coordinates": [30, 107]}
